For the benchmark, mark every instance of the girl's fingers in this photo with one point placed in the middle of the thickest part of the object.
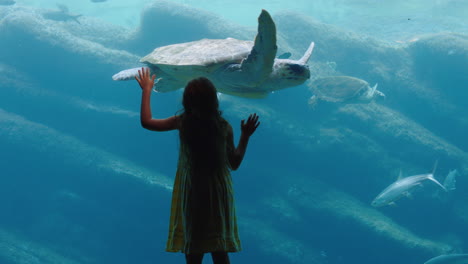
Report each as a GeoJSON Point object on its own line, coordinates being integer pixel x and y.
{"type": "Point", "coordinates": [253, 118]}
{"type": "Point", "coordinates": [148, 73]}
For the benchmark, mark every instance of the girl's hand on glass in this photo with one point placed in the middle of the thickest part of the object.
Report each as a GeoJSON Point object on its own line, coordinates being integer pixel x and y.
{"type": "Point", "coordinates": [144, 79]}
{"type": "Point", "coordinates": [249, 127]}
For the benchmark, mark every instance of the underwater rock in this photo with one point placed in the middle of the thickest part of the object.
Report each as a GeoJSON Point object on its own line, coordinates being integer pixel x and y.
{"type": "Point", "coordinates": [17, 249]}
{"type": "Point", "coordinates": [435, 85]}
{"type": "Point", "coordinates": [362, 131]}
{"type": "Point", "coordinates": [353, 54]}
{"type": "Point", "coordinates": [274, 244]}
{"type": "Point", "coordinates": [12, 78]}
{"type": "Point", "coordinates": [165, 22]}
{"type": "Point", "coordinates": [94, 180]}
{"type": "Point", "coordinates": [42, 139]}
{"type": "Point", "coordinates": [390, 128]}
{"type": "Point", "coordinates": [349, 219]}
{"type": "Point", "coordinates": [34, 33]}
{"type": "Point", "coordinates": [314, 213]}
{"type": "Point", "coordinates": [96, 30]}
{"type": "Point", "coordinates": [29, 40]}
{"type": "Point", "coordinates": [88, 28]}
{"type": "Point", "coordinates": [371, 143]}
{"type": "Point", "coordinates": [401, 139]}
{"type": "Point", "coordinates": [102, 170]}
{"type": "Point", "coordinates": [441, 61]}
{"type": "Point", "coordinates": [424, 78]}
{"type": "Point", "coordinates": [7, 2]}
{"type": "Point", "coordinates": [448, 259]}
{"type": "Point", "coordinates": [370, 131]}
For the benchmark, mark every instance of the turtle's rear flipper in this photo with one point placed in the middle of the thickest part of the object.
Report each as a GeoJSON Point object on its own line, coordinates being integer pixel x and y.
{"type": "Point", "coordinates": [259, 64]}
{"type": "Point", "coordinates": [125, 75]}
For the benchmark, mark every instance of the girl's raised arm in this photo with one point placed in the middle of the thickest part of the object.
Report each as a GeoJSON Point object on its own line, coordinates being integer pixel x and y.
{"type": "Point", "coordinates": [146, 83]}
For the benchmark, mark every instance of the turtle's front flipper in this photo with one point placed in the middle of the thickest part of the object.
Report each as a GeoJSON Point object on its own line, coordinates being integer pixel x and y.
{"type": "Point", "coordinates": [125, 75]}
{"type": "Point", "coordinates": [258, 65]}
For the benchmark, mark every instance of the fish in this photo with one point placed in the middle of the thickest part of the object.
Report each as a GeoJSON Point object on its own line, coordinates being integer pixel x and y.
{"type": "Point", "coordinates": [403, 187]}
{"type": "Point", "coordinates": [450, 180]}
{"type": "Point", "coordinates": [7, 2]}
{"type": "Point", "coordinates": [449, 259]}
{"type": "Point", "coordinates": [61, 15]}
{"type": "Point", "coordinates": [98, 1]}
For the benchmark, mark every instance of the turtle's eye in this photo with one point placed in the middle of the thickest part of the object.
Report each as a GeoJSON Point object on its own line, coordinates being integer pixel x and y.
{"type": "Point", "coordinates": [297, 69]}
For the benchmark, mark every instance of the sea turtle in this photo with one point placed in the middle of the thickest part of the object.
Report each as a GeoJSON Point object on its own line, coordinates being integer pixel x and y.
{"type": "Point", "coordinates": [237, 67]}
{"type": "Point", "coordinates": [343, 89]}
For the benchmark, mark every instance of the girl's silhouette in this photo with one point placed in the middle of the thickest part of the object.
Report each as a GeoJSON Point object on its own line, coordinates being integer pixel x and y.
{"type": "Point", "coordinates": [203, 217]}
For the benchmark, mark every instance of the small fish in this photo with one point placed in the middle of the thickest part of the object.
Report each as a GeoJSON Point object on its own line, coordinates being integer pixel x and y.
{"type": "Point", "coordinates": [285, 55]}
{"type": "Point", "coordinates": [449, 259]}
{"type": "Point", "coordinates": [61, 15]}
{"type": "Point", "coordinates": [98, 1]}
{"type": "Point", "coordinates": [7, 2]}
{"type": "Point", "coordinates": [403, 187]}
{"type": "Point", "coordinates": [450, 180]}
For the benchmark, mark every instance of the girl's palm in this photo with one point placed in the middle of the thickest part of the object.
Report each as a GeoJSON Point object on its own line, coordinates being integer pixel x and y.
{"type": "Point", "coordinates": [251, 125]}
{"type": "Point", "coordinates": [144, 79]}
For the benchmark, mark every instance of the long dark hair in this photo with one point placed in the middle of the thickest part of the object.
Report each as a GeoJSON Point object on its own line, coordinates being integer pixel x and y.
{"type": "Point", "coordinates": [201, 127]}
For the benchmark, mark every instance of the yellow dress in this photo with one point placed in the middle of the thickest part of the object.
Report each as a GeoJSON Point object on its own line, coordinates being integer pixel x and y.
{"type": "Point", "coordinates": [210, 225]}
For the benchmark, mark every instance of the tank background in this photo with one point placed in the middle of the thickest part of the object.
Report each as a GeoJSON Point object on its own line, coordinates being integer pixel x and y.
{"type": "Point", "coordinates": [91, 186]}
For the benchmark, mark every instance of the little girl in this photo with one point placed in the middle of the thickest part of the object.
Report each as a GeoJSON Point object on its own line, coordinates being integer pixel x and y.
{"type": "Point", "coordinates": [203, 217]}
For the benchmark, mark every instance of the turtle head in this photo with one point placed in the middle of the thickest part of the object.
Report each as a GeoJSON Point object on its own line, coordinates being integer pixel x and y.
{"type": "Point", "coordinates": [378, 95]}
{"type": "Point", "coordinates": [288, 73]}
{"type": "Point", "coordinates": [375, 94]}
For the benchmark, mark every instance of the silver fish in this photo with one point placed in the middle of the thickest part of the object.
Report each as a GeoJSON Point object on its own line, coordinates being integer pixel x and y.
{"type": "Point", "coordinates": [403, 187]}
{"type": "Point", "coordinates": [449, 259]}
{"type": "Point", "coordinates": [61, 15]}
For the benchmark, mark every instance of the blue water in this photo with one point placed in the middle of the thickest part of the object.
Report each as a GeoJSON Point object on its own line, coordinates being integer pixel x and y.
{"type": "Point", "coordinates": [82, 182]}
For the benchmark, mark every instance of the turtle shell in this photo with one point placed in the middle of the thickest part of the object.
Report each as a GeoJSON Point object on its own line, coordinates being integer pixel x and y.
{"type": "Point", "coordinates": [203, 56]}
{"type": "Point", "coordinates": [338, 88]}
